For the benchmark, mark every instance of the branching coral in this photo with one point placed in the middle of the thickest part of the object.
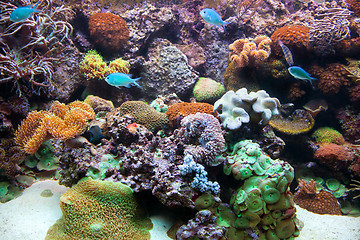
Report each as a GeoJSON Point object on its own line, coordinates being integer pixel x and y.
{"type": "Point", "coordinates": [61, 122]}
{"type": "Point", "coordinates": [322, 202]}
{"type": "Point", "coordinates": [250, 52]}
{"type": "Point", "coordinates": [42, 40]}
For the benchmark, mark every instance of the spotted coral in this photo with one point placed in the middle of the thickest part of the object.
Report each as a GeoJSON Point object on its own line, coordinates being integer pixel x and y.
{"type": "Point", "coordinates": [109, 31]}
{"type": "Point", "coordinates": [295, 37]}
{"type": "Point", "coordinates": [178, 111]}
{"type": "Point", "coordinates": [95, 209]}
{"type": "Point", "coordinates": [208, 90]}
{"type": "Point", "coordinates": [328, 135]}
{"type": "Point", "coordinates": [250, 52]}
{"type": "Point", "coordinates": [143, 114]}
{"type": "Point", "coordinates": [322, 202]}
{"type": "Point", "coordinates": [61, 122]}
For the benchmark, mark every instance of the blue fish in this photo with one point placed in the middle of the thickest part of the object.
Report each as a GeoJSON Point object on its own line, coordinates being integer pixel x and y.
{"type": "Point", "coordinates": [299, 73]}
{"type": "Point", "coordinates": [212, 17]}
{"type": "Point", "coordinates": [22, 13]}
{"type": "Point", "coordinates": [121, 80]}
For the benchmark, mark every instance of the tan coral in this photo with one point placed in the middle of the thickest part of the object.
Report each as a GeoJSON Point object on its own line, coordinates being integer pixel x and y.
{"type": "Point", "coordinates": [246, 52]}
{"type": "Point", "coordinates": [60, 122]}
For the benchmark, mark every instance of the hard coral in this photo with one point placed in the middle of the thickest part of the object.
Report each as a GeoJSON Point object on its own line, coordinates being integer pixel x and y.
{"type": "Point", "coordinates": [208, 90]}
{"type": "Point", "coordinates": [144, 114]}
{"type": "Point", "coordinates": [354, 5]}
{"type": "Point", "coordinates": [322, 202]}
{"type": "Point", "coordinates": [300, 121]}
{"type": "Point", "coordinates": [331, 78]}
{"type": "Point", "coordinates": [246, 52]}
{"type": "Point", "coordinates": [93, 65]}
{"type": "Point", "coordinates": [349, 120]}
{"type": "Point", "coordinates": [328, 135]}
{"type": "Point", "coordinates": [61, 121]}
{"type": "Point", "coordinates": [333, 155]}
{"type": "Point", "coordinates": [109, 31]}
{"type": "Point", "coordinates": [178, 111]}
{"type": "Point", "coordinates": [294, 36]}
{"type": "Point", "coordinates": [95, 209]}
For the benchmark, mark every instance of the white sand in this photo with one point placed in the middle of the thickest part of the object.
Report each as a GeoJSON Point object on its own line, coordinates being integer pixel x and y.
{"type": "Point", "coordinates": [30, 216]}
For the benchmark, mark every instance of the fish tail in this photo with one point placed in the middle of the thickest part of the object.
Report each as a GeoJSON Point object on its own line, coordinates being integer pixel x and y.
{"type": "Point", "coordinates": [223, 24]}
{"type": "Point", "coordinates": [36, 4]}
{"type": "Point", "coordinates": [136, 82]}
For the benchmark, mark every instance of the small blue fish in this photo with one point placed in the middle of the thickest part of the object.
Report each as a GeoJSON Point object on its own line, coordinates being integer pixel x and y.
{"type": "Point", "coordinates": [212, 17]}
{"type": "Point", "coordinates": [299, 73]}
{"type": "Point", "coordinates": [121, 80]}
{"type": "Point", "coordinates": [22, 13]}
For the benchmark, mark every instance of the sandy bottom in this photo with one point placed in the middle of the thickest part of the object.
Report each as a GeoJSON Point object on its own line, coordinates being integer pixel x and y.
{"type": "Point", "coordinates": [29, 217]}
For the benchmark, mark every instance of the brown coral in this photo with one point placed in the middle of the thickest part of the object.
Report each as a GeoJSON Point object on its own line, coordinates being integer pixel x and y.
{"type": "Point", "coordinates": [178, 111]}
{"type": "Point", "coordinates": [300, 121]}
{"type": "Point", "coordinates": [143, 114]}
{"type": "Point", "coordinates": [61, 121]}
{"type": "Point", "coordinates": [246, 52]}
{"type": "Point", "coordinates": [331, 78]}
{"type": "Point", "coordinates": [354, 5]}
{"type": "Point", "coordinates": [322, 202]}
{"type": "Point", "coordinates": [10, 156]}
{"type": "Point", "coordinates": [333, 155]}
{"type": "Point", "coordinates": [295, 37]}
{"type": "Point", "coordinates": [108, 31]}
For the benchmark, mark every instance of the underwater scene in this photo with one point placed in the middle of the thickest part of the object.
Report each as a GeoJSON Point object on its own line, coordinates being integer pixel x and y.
{"type": "Point", "coordinates": [179, 119]}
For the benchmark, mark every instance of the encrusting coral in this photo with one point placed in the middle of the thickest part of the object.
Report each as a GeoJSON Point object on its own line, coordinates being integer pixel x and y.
{"type": "Point", "coordinates": [236, 108]}
{"type": "Point", "coordinates": [337, 157]}
{"type": "Point", "coordinates": [322, 202]}
{"type": "Point", "coordinates": [95, 209]}
{"type": "Point", "coordinates": [250, 52]}
{"type": "Point", "coordinates": [61, 122]}
{"type": "Point", "coordinates": [144, 114]}
{"type": "Point", "coordinates": [178, 111]}
{"type": "Point", "coordinates": [300, 121]}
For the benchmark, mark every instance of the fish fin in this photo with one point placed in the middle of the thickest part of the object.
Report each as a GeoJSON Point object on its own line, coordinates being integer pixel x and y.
{"type": "Point", "coordinates": [136, 82]}
{"type": "Point", "coordinates": [127, 86]}
{"type": "Point", "coordinates": [36, 4]}
{"type": "Point", "coordinates": [118, 87]}
{"type": "Point", "coordinates": [223, 25]}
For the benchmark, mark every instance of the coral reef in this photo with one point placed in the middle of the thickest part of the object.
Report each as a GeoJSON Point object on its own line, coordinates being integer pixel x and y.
{"type": "Point", "coordinates": [322, 202]}
{"type": "Point", "coordinates": [300, 121]}
{"type": "Point", "coordinates": [349, 120]}
{"type": "Point", "coordinates": [246, 52]}
{"type": "Point", "coordinates": [99, 104]}
{"type": "Point", "coordinates": [167, 71]}
{"type": "Point", "coordinates": [178, 111]}
{"type": "Point", "coordinates": [143, 114]}
{"type": "Point", "coordinates": [108, 31]}
{"type": "Point", "coordinates": [236, 108]}
{"type": "Point", "coordinates": [61, 122]}
{"type": "Point", "coordinates": [208, 90]}
{"type": "Point", "coordinates": [335, 156]}
{"type": "Point", "coordinates": [95, 209]}
{"type": "Point", "coordinates": [10, 158]}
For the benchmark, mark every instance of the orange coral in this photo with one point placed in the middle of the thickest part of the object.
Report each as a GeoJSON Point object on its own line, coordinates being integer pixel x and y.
{"type": "Point", "coordinates": [322, 202]}
{"type": "Point", "coordinates": [293, 36]}
{"type": "Point", "coordinates": [61, 121]}
{"type": "Point", "coordinates": [354, 5]}
{"type": "Point", "coordinates": [295, 91]}
{"type": "Point", "coordinates": [184, 109]}
{"type": "Point", "coordinates": [333, 155]}
{"type": "Point", "coordinates": [247, 52]}
{"type": "Point", "coordinates": [331, 78]}
{"type": "Point", "coordinates": [109, 31]}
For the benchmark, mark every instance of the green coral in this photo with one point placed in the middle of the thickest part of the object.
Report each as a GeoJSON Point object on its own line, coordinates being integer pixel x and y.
{"type": "Point", "coordinates": [328, 135]}
{"type": "Point", "coordinates": [95, 209]}
{"type": "Point", "coordinates": [208, 90]}
{"type": "Point", "coordinates": [263, 202]}
{"type": "Point", "coordinates": [107, 162]}
{"type": "Point", "coordinates": [43, 159]}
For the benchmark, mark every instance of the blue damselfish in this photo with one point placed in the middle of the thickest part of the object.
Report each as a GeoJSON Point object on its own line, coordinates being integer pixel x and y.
{"type": "Point", "coordinates": [299, 73]}
{"type": "Point", "coordinates": [212, 17]}
{"type": "Point", "coordinates": [121, 80]}
{"type": "Point", "coordinates": [22, 13]}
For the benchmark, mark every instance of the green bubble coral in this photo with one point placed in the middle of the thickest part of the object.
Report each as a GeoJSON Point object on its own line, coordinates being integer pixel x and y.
{"type": "Point", "coordinates": [328, 135]}
{"type": "Point", "coordinates": [208, 90]}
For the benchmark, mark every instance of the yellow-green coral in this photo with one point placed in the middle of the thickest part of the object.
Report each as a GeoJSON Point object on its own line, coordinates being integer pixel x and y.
{"type": "Point", "coordinates": [328, 135]}
{"type": "Point", "coordinates": [94, 209]}
{"type": "Point", "coordinates": [94, 67]}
